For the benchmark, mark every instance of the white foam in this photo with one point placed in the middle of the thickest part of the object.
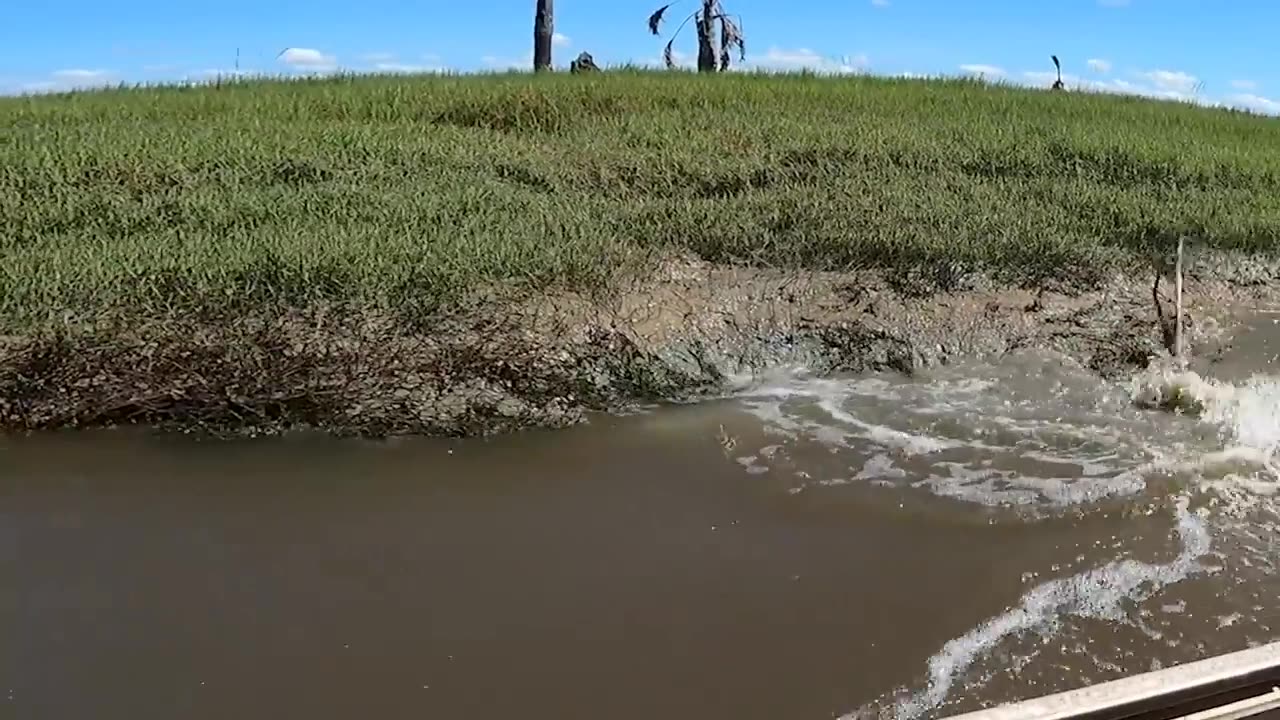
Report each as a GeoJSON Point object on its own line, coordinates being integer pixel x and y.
{"type": "Point", "coordinates": [986, 486]}
{"type": "Point", "coordinates": [1246, 416]}
{"type": "Point", "coordinates": [911, 443]}
{"type": "Point", "coordinates": [1251, 415]}
{"type": "Point", "coordinates": [880, 467]}
{"type": "Point", "coordinates": [1099, 593]}
{"type": "Point", "coordinates": [1048, 437]}
{"type": "Point", "coordinates": [1082, 456]}
{"type": "Point", "coordinates": [1090, 448]}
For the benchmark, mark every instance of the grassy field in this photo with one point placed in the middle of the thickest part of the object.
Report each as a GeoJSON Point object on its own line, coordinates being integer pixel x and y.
{"type": "Point", "coordinates": [409, 191]}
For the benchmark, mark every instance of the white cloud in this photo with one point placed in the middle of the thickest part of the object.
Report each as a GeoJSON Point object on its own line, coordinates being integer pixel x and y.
{"type": "Point", "coordinates": [1173, 81]}
{"type": "Point", "coordinates": [213, 75]}
{"type": "Point", "coordinates": [979, 69]}
{"type": "Point", "coordinates": [1244, 84]}
{"type": "Point", "coordinates": [80, 75]}
{"type": "Point", "coordinates": [1045, 78]}
{"type": "Point", "coordinates": [68, 80]}
{"type": "Point", "coordinates": [681, 60]}
{"type": "Point", "coordinates": [385, 62]}
{"type": "Point", "coordinates": [220, 72]}
{"type": "Point", "coordinates": [494, 62]}
{"type": "Point", "coordinates": [855, 63]}
{"type": "Point", "coordinates": [1099, 65]}
{"type": "Point", "coordinates": [395, 67]}
{"type": "Point", "coordinates": [880, 3]}
{"type": "Point", "coordinates": [788, 60]}
{"type": "Point", "coordinates": [506, 63]}
{"type": "Point", "coordinates": [307, 58]}
{"type": "Point", "coordinates": [775, 59]}
{"type": "Point", "coordinates": [71, 79]}
{"type": "Point", "coordinates": [1159, 84]}
{"type": "Point", "coordinates": [1249, 101]}
{"type": "Point", "coordinates": [1147, 90]}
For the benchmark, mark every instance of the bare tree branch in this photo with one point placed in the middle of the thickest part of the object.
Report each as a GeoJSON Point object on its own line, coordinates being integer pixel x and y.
{"type": "Point", "coordinates": [710, 57]}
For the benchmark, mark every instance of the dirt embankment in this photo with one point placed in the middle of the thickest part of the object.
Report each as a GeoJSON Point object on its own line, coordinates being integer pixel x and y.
{"type": "Point", "coordinates": [504, 365]}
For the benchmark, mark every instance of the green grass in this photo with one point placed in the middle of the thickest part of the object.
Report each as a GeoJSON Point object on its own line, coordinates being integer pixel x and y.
{"type": "Point", "coordinates": [408, 192]}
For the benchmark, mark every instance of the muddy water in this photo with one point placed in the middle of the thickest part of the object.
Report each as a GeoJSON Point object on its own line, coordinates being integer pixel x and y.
{"type": "Point", "coordinates": [805, 548]}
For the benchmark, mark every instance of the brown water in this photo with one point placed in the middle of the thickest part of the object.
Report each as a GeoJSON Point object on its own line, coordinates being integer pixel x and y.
{"type": "Point", "coordinates": [804, 549]}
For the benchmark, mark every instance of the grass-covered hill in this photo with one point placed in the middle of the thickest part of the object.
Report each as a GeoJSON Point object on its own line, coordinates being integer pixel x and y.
{"type": "Point", "coordinates": [408, 191]}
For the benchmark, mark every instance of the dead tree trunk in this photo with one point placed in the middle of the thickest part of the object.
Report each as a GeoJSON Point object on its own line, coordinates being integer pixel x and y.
{"type": "Point", "coordinates": [707, 37]}
{"type": "Point", "coordinates": [543, 29]}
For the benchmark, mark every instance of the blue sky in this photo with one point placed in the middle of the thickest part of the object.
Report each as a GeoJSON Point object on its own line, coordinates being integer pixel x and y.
{"type": "Point", "coordinates": [1211, 50]}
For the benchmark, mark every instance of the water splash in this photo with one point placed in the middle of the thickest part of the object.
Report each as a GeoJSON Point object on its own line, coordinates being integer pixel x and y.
{"type": "Point", "coordinates": [1246, 416]}
{"type": "Point", "coordinates": [1035, 434]}
{"type": "Point", "coordinates": [1040, 432]}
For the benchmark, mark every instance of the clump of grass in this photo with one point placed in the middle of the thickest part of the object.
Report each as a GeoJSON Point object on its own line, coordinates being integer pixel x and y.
{"type": "Point", "coordinates": [410, 193]}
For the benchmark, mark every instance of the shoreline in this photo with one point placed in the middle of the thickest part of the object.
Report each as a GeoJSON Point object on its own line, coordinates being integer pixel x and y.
{"type": "Point", "coordinates": [547, 361]}
{"type": "Point", "coordinates": [465, 255]}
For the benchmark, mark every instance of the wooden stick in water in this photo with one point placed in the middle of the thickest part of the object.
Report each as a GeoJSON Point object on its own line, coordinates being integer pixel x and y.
{"type": "Point", "coordinates": [1177, 318]}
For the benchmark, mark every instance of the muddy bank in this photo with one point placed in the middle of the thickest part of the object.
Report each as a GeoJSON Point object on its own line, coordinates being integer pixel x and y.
{"type": "Point", "coordinates": [504, 364]}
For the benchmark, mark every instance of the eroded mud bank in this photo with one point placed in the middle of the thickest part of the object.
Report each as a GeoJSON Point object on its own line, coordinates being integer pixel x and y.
{"type": "Point", "coordinates": [505, 364]}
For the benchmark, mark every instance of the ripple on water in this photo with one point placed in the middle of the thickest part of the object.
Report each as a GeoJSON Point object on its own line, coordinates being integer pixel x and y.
{"type": "Point", "coordinates": [1041, 436]}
